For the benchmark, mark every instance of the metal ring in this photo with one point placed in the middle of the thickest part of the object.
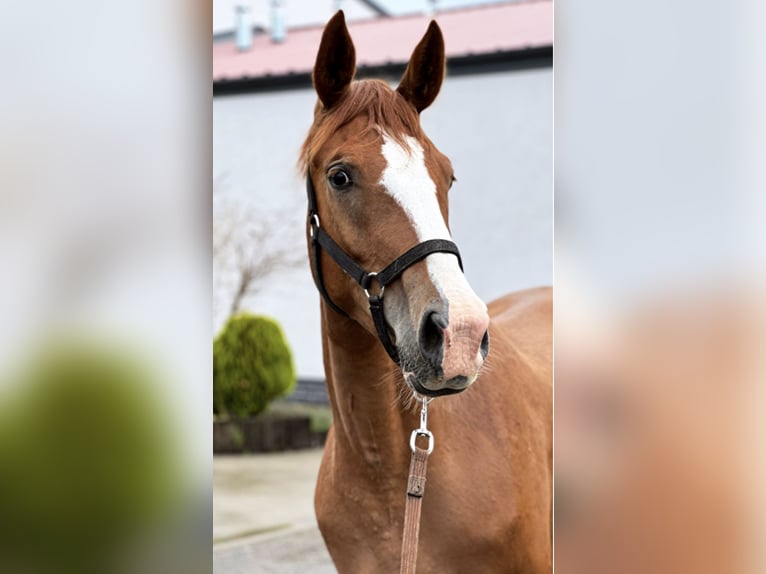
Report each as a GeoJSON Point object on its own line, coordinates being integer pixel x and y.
{"type": "Point", "coordinates": [419, 432]}
{"type": "Point", "coordinates": [420, 398]}
{"type": "Point", "coordinates": [369, 278]}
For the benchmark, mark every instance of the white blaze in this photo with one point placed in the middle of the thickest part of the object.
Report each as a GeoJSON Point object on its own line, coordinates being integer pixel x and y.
{"type": "Point", "coordinates": [407, 181]}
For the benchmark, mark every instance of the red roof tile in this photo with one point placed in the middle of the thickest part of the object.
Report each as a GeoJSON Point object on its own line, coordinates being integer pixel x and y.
{"type": "Point", "coordinates": [484, 30]}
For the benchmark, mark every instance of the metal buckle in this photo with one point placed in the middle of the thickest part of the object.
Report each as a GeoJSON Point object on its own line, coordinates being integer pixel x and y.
{"type": "Point", "coordinates": [423, 430]}
{"type": "Point", "coordinates": [313, 224]}
{"type": "Point", "coordinates": [418, 432]}
{"type": "Point", "coordinates": [368, 280]}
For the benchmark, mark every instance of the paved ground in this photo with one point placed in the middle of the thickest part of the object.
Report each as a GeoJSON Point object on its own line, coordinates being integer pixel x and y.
{"type": "Point", "coordinates": [294, 552]}
{"type": "Point", "coordinates": [263, 514]}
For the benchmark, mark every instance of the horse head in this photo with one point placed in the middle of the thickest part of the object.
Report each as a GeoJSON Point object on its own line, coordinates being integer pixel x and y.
{"type": "Point", "coordinates": [380, 188]}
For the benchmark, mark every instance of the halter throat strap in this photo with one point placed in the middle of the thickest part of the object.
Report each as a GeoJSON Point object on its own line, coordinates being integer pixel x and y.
{"type": "Point", "coordinates": [321, 240]}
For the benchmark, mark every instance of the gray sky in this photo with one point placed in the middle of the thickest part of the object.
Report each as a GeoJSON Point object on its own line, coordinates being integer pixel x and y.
{"type": "Point", "coordinates": [410, 6]}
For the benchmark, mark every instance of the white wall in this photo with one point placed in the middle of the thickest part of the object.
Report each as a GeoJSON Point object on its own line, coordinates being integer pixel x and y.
{"type": "Point", "coordinates": [496, 128]}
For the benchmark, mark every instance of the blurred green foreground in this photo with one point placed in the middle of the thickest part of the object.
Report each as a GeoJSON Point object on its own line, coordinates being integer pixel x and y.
{"type": "Point", "coordinates": [89, 477]}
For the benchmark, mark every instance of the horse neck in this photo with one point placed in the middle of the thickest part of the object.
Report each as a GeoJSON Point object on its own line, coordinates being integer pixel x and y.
{"type": "Point", "coordinates": [370, 421]}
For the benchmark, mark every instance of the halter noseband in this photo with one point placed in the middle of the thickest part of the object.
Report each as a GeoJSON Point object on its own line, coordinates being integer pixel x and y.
{"type": "Point", "coordinates": [320, 239]}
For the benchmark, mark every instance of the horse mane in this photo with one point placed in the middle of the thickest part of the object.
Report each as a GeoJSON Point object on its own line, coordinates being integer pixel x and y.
{"type": "Point", "coordinates": [384, 108]}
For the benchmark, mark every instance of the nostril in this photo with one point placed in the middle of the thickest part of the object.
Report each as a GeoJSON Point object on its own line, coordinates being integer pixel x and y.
{"type": "Point", "coordinates": [484, 347]}
{"type": "Point", "coordinates": [431, 337]}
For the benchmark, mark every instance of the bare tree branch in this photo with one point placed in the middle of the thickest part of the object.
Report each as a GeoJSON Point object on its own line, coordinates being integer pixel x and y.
{"type": "Point", "coordinates": [251, 245]}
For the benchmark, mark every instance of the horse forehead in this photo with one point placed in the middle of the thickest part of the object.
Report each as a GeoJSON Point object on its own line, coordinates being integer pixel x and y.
{"type": "Point", "coordinates": [405, 173]}
{"type": "Point", "coordinates": [407, 180]}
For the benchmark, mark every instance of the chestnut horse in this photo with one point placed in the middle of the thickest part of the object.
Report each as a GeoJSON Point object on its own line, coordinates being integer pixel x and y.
{"type": "Point", "coordinates": [377, 188]}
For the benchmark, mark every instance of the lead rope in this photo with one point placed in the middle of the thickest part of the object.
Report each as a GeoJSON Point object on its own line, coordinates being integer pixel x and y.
{"type": "Point", "coordinates": [416, 485]}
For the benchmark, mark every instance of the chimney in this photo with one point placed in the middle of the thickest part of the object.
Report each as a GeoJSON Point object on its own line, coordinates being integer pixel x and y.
{"type": "Point", "coordinates": [244, 28]}
{"type": "Point", "coordinates": [278, 29]}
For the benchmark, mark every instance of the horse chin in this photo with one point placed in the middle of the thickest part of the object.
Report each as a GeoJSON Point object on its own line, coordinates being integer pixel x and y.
{"type": "Point", "coordinates": [438, 388]}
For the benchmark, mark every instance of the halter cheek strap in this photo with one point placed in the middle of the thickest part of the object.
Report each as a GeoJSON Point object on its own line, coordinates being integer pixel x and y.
{"type": "Point", "coordinates": [321, 240]}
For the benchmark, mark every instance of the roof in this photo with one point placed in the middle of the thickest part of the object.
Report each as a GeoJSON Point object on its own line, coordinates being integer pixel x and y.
{"type": "Point", "coordinates": [493, 29]}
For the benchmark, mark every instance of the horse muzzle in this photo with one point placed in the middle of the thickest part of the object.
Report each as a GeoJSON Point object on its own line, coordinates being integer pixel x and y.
{"type": "Point", "coordinates": [453, 349]}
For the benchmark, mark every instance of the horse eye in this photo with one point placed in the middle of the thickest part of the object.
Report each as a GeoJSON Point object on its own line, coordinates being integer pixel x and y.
{"type": "Point", "coordinates": [339, 179]}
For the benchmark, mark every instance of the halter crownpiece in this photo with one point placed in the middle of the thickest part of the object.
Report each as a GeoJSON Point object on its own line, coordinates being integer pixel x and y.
{"type": "Point", "coordinates": [320, 239]}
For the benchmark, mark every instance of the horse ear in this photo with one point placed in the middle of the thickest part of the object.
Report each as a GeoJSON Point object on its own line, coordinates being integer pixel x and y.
{"type": "Point", "coordinates": [425, 71]}
{"type": "Point", "coordinates": [335, 63]}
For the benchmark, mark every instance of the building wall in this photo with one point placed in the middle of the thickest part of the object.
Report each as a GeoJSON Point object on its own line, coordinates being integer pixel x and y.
{"type": "Point", "coordinates": [496, 128]}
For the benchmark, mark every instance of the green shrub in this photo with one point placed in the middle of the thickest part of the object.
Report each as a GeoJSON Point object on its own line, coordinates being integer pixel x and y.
{"type": "Point", "coordinates": [252, 365]}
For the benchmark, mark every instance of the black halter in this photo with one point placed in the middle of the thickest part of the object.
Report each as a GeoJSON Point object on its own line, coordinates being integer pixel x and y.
{"type": "Point", "coordinates": [320, 239]}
